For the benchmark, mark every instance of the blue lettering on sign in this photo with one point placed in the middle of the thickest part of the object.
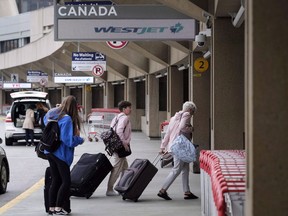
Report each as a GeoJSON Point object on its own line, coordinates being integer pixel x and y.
{"type": "Point", "coordinates": [139, 30]}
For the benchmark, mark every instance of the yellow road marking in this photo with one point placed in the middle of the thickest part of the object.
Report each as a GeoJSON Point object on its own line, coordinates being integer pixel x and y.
{"type": "Point", "coordinates": [22, 196]}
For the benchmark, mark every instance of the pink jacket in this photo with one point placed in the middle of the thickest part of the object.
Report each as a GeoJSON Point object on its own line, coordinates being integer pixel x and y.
{"type": "Point", "coordinates": [178, 123]}
{"type": "Point", "coordinates": [123, 127]}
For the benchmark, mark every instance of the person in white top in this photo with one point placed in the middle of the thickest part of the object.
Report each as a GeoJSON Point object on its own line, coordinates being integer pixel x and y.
{"type": "Point", "coordinates": [28, 125]}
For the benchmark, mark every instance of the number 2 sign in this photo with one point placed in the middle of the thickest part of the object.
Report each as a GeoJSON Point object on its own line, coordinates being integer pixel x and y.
{"type": "Point", "coordinates": [201, 64]}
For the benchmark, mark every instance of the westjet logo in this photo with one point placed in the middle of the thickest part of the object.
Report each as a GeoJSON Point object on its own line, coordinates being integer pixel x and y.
{"type": "Point", "coordinates": [139, 30]}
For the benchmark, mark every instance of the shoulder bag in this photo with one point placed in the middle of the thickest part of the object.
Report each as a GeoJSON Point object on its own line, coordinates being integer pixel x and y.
{"type": "Point", "coordinates": [183, 149]}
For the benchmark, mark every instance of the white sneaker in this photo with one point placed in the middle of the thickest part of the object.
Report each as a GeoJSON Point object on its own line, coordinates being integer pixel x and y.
{"type": "Point", "coordinates": [112, 193]}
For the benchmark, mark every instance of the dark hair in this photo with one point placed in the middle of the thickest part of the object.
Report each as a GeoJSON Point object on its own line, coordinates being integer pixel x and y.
{"type": "Point", "coordinates": [123, 104]}
{"type": "Point", "coordinates": [69, 107]}
{"type": "Point", "coordinates": [32, 106]}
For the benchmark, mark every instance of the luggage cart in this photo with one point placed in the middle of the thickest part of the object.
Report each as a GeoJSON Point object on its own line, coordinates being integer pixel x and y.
{"type": "Point", "coordinates": [99, 120]}
{"type": "Point", "coordinates": [95, 127]}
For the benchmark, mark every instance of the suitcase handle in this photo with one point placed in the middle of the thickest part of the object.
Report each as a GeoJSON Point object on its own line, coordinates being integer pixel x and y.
{"type": "Point", "coordinates": [158, 158]}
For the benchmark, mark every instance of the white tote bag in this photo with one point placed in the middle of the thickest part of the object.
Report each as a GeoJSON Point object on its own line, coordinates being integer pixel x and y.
{"type": "Point", "coordinates": [183, 149]}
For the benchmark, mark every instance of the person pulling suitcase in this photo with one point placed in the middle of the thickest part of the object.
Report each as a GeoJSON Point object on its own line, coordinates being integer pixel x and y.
{"type": "Point", "coordinates": [123, 129]}
{"type": "Point", "coordinates": [179, 124]}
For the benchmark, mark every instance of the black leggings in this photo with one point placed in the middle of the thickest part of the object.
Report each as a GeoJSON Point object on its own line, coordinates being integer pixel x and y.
{"type": "Point", "coordinates": [61, 180]}
{"type": "Point", "coordinates": [29, 134]}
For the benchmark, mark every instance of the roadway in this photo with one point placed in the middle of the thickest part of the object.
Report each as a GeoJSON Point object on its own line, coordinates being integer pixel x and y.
{"type": "Point", "coordinates": [25, 190]}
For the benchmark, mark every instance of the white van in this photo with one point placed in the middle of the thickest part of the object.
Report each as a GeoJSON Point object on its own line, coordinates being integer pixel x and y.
{"type": "Point", "coordinates": [16, 115]}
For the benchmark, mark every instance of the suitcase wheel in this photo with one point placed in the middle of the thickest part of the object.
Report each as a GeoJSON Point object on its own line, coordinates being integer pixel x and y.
{"type": "Point", "coordinates": [96, 139]}
{"type": "Point", "coordinates": [123, 198]}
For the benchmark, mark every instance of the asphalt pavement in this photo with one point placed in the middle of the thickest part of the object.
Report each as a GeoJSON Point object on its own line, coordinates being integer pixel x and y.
{"type": "Point", "coordinates": [31, 202]}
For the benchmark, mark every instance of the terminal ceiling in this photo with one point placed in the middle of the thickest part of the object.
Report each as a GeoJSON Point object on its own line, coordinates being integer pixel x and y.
{"type": "Point", "coordinates": [135, 58]}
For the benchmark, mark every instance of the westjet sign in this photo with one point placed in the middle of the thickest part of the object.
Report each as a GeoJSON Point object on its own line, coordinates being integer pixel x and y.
{"type": "Point", "coordinates": [121, 22]}
{"type": "Point", "coordinates": [128, 29]}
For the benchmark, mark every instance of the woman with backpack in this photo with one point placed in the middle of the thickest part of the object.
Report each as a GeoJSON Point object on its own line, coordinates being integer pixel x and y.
{"type": "Point", "coordinates": [61, 159]}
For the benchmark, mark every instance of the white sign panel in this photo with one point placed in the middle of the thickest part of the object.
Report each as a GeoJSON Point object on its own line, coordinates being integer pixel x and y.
{"type": "Point", "coordinates": [35, 76]}
{"type": "Point", "coordinates": [74, 79]}
{"type": "Point", "coordinates": [152, 29]}
{"type": "Point", "coordinates": [16, 85]}
{"type": "Point", "coordinates": [85, 61]}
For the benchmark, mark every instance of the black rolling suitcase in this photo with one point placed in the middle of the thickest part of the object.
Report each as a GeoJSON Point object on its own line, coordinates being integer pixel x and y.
{"type": "Point", "coordinates": [47, 184]}
{"type": "Point", "coordinates": [135, 179]}
{"type": "Point", "coordinates": [88, 173]}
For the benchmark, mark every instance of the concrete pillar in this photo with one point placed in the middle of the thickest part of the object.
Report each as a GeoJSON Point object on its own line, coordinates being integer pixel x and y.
{"type": "Point", "coordinates": [87, 100]}
{"type": "Point", "coordinates": [266, 107]}
{"type": "Point", "coordinates": [175, 88]}
{"type": "Point", "coordinates": [65, 91]}
{"type": "Point", "coordinates": [227, 116]}
{"type": "Point", "coordinates": [2, 101]}
{"type": "Point", "coordinates": [152, 106]}
{"type": "Point", "coordinates": [109, 95]}
{"type": "Point", "coordinates": [131, 96]}
{"type": "Point", "coordinates": [201, 97]}
{"type": "Point", "coordinates": [8, 8]}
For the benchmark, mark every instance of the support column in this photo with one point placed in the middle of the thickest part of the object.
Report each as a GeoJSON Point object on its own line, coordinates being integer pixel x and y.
{"type": "Point", "coordinates": [175, 87]}
{"type": "Point", "coordinates": [266, 107]}
{"type": "Point", "coordinates": [109, 95]}
{"type": "Point", "coordinates": [152, 106]}
{"type": "Point", "coordinates": [201, 97]}
{"type": "Point", "coordinates": [87, 100]}
{"type": "Point", "coordinates": [65, 92]}
{"type": "Point", "coordinates": [227, 83]}
{"type": "Point", "coordinates": [8, 8]}
{"type": "Point", "coordinates": [131, 97]}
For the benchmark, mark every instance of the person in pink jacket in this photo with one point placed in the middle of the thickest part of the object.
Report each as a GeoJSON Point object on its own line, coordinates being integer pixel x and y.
{"type": "Point", "coordinates": [180, 123]}
{"type": "Point", "coordinates": [122, 126]}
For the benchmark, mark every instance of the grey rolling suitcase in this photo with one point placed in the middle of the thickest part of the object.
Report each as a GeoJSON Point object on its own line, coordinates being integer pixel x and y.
{"type": "Point", "coordinates": [135, 179]}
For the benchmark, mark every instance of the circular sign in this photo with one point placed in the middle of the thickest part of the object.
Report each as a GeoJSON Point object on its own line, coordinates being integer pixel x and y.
{"type": "Point", "coordinates": [116, 44]}
{"type": "Point", "coordinates": [43, 82]}
{"type": "Point", "coordinates": [201, 64]}
{"type": "Point", "coordinates": [97, 70]}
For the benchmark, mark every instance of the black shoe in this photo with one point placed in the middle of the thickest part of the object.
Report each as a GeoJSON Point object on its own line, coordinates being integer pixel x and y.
{"type": "Point", "coordinates": [50, 213]}
{"type": "Point", "coordinates": [190, 196]}
{"type": "Point", "coordinates": [164, 195]}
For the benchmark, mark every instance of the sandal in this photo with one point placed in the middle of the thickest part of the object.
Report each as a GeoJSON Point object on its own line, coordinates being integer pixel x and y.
{"type": "Point", "coordinates": [164, 195]}
{"type": "Point", "coordinates": [190, 196]}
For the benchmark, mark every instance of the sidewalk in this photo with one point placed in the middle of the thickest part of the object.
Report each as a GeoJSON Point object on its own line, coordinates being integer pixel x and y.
{"type": "Point", "coordinates": [99, 204]}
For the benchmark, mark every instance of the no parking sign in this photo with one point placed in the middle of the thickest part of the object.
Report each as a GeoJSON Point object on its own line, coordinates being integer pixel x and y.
{"type": "Point", "coordinates": [97, 70]}
{"type": "Point", "coordinates": [116, 44]}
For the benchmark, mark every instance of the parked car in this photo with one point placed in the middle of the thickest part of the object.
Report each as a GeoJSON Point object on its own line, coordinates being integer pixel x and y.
{"type": "Point", "coordinates": [16, 115]}
{"type": "Point", "coordinates": [4, 170]}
